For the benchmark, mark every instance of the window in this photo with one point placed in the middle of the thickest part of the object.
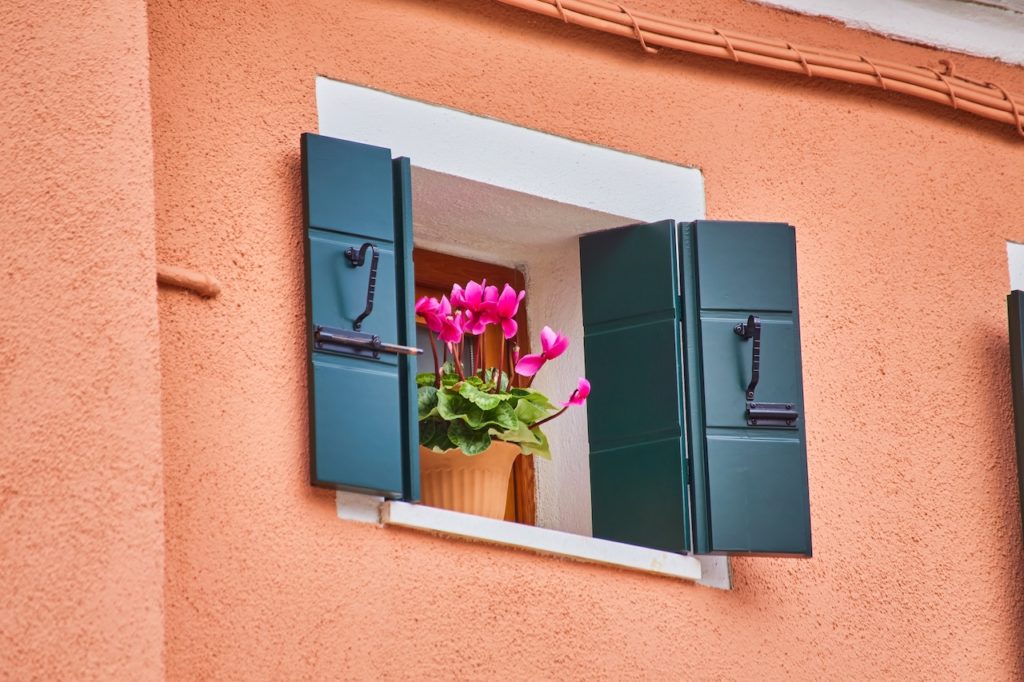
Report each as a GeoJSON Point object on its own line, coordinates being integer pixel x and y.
{"type": "Point", "coordinates": [518, 197]}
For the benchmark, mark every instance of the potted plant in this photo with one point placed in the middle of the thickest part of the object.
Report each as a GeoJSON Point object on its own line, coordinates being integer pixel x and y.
{"type": "Point", "coordinates": [474, 421]}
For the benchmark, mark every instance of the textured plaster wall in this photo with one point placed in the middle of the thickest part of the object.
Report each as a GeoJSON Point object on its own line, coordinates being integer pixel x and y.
{"type": "Point", "coordinates": [81, 493]}
{"type": "Point", "coordinates": [901, 216]}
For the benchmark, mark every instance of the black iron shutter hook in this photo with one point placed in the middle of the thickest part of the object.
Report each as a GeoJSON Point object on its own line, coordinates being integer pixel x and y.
{"type": "Point", "coordinates": [752, 330]}
{"type": "Point", "coordinates": [357, 259]}
{"type": "Point", "coordinates": [761, 413]}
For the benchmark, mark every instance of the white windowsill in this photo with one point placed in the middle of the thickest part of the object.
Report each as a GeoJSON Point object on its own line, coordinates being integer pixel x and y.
{"type": "Point", "coordinates": [540, 540]}
{"type": "Point", "coordinates": [709, 571]}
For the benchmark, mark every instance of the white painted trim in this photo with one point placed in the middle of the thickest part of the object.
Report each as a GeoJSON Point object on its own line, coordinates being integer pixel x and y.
{"type": "Point", "coordinates": [1015, 259]}
{"type": "Point", "coordinates": [540, 540]}
{"type": "Point", "coordinates": [358, 507]}
{"type": "Point", "coordinates": [510, 156]}
{"type": "Point", "coordinates": [969, 27]}
{"type": "Point", "coordinates": [715, 571]}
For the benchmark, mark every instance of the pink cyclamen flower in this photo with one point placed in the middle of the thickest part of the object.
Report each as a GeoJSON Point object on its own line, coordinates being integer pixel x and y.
{"type": "Point", "coordinates": [505, 309]}
{"type": "Point", "coordinates": [458, 296]}
{"type": "Point", "coordinates": [451, 328]}
{"type": "Point", "coordinates": [473, 296]}
{"type": "Point", "coordinates": [474, 323]}
{"type": "Point", "coordinates": [477, 302]}
{"type": "Point", "coordinates": [579, 396]}
{"type": "Point", "coordinates": [430, 309]}
{"type": "Point", "coordinates": [552, 345]}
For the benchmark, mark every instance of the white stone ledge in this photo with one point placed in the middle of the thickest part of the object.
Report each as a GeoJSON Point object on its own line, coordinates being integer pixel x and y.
{"type": "Point", "coordinates": [540, 540]}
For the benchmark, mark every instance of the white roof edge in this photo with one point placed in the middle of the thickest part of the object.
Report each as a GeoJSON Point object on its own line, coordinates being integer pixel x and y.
{"type": "Point", "coordinates": [973, 28]}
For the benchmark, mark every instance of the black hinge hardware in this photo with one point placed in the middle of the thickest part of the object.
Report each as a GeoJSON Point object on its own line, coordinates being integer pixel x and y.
{"type": "Point", "coordinates": [357, 259]}
{"type": "Point", "coordinates": [758, 413]}
{"type": "Point", "coordinates": [360, 344]}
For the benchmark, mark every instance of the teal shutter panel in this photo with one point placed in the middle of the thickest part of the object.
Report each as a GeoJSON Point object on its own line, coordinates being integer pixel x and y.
{"type": "Point", "coordinates": [1015, 308]}
{"type": "Point", "coordinates": [638, 474]}
{"type": "Point", "coordinates": [362, 416]}
{"type": "Point", "coordinates": [749, 457]}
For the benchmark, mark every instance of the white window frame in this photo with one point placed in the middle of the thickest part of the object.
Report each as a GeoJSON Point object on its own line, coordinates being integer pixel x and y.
{"type": "Point", "coordinates": [491, 190]}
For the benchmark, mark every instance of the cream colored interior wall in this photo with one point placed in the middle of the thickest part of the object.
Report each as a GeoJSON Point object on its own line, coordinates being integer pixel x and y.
{"type": "Point", "coordinates": [553, 299]}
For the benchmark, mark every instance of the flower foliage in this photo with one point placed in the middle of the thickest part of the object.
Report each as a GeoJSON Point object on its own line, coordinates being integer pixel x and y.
{"type": "Point", "coordinates": [468, 409]}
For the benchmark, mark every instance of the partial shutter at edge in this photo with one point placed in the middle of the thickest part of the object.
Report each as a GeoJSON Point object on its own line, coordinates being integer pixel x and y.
{"type": "Point", "coordinates": [632, 341]}
{"type": "Point", "coordinates": [1015, 311]}
{"type": "Point", "coordinates": [362, 417]}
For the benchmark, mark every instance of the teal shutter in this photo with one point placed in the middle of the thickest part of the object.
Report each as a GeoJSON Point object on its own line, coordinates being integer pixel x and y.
{"type": "Point", "coordinates": [749, 457]}
{"type": "Point", "coordinates": [638, 474]}
{"type": "Point", "coordinates": [362, 400]}
{"type": "Point", "coordinates": [1015, 308]}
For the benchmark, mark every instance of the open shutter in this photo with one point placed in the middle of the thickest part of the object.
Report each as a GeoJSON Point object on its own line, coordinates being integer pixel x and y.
{"type": "Point", "coordinates": [1015, 309]}
{"type": "Point", "coordinates": [362, 411]}
{"type": "Point", "coordinates": [632, 347]}
{"type": "Point", "coordinates": [749, 455]}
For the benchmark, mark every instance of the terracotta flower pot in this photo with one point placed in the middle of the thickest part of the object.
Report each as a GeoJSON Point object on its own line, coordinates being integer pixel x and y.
{"type": "Point", "coordinates": [474, 484]}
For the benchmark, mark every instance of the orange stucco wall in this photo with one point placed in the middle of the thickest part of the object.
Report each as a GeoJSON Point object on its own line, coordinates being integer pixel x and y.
{"type": "Point", "coordinates": [902, 209]}
{"type": "Point", "coordinates": [81, 492]}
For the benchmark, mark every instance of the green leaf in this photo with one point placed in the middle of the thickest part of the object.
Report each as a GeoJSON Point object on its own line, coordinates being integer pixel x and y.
{"type": "Point", "coordinates": [452, 407]}
{"type": "Point", "coordinates": [529, 412]}
{"type": "Point", "coordinates": [522, 434]}
{"type": "Point", "coordinates": [428, 429]}
{"type": "Point", "coordinates": [485, 401]}
{"type": "Point", "coordinates": [541, 449]}
{"type": "Point", "coordinates": [502, 416]}
{"type": "Point", "coordinates": [434, 435]}
{"type": "Point", "coordinates": [425, 379]}
{"type": "Point", "coordinates": [427, 399]}
{"type": "Point", "coordinates": [471, 441]}
{"type": "Point", "coordinates": [535, 397]}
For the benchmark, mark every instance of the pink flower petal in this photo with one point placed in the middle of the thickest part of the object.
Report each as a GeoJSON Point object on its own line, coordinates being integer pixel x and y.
{"type": "Point", "coordinates": [509, 327]}
{"type": "Point", "coordinates": [508, 302]}
{"type": "Point", "coordinates": [427, 305]}
{"type": "Point", "coordinates": [458, 296]}
{"type": "Point", "coordinates": [552, 343]}
{"type": "Point", "coordinates": [474, 298]}
{"type": "Point", "coordinates": [474, 323]}
{"type": "Point", "coordinates": [547, 337]}
{"type": "Point", "coordinates": [579, 396]}
{"type": "Point", "coordinates": [435, 322]}
{"type": "Point", "coordinates": [584, 388]}
{"type": "Point", "coordinates": [529, 365]}
{"type": "Point", "coordinates": [451, 331]}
